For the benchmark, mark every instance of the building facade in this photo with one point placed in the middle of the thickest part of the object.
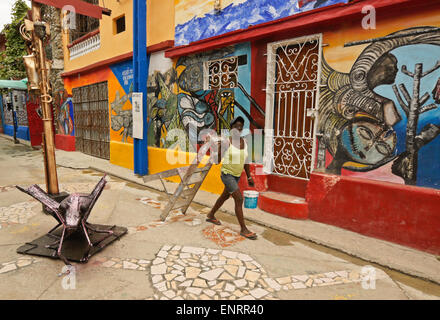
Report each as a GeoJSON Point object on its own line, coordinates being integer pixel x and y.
{"type": "Point", "coordinates": [98, 78]}
{"type": "Point", "coordinates": [340, 100]}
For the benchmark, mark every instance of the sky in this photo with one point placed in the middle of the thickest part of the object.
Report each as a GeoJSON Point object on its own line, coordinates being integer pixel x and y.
{"type": "Point", "coordinates": [5, 11]}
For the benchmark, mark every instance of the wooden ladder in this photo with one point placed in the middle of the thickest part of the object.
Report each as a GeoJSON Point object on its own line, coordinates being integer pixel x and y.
{"type": "Point", "coordinates": [191, 178]}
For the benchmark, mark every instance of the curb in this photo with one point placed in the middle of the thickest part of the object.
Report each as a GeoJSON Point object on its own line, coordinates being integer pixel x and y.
{"type": "Point", "coordinates": [23, 142]}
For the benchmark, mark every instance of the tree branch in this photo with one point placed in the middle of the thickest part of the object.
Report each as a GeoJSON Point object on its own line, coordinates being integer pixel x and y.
{"type": "Point", "coordinates": [405, 93]}
{"type": "Point", "coordinates": [427, 108]}
{"type": "Point", "coordinates": [405, 71]}
{"type": "Point", "coordinates": [399, 98]}
{"type": "Point", "coordinates": [423, 99]}
{"type": "Point", "coordinates": [432, 70]}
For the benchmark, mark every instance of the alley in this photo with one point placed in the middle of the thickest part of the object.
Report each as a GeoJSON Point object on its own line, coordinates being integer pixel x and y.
{"type": "Point", "coordinates": [181, 258]}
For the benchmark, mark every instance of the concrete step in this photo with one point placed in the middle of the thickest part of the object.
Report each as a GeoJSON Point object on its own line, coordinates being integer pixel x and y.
{"type": "Point", "coordinates": [284, 205]}
{"type": "Point", "coordinates": [289, 185]}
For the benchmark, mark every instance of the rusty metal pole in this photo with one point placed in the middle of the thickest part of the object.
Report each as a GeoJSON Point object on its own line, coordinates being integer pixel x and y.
{"type": "Point", "coordinates": [45, 99]}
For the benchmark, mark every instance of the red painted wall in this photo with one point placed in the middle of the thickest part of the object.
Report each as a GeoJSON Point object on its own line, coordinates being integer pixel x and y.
{"type": "Point", "coordinates": [292, 186]}
{"type": "Point", "coordinates": [405, 215]}
{"type": "Point", "coordinates": [35, 122]}
{"type": "Point", "coordinates": [258, 79]}
{"type": "Point", "coordinates": [65, 142]}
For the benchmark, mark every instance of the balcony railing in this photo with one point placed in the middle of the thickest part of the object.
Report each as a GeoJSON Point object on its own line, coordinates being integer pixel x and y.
{"type": "Point", "coordinates": [86, 44]}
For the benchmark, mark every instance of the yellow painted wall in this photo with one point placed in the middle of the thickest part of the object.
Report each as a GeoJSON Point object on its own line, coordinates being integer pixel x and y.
{"type": "Point", "coordinates": [188, 9]}
{"type": "Point", "coordinates": [112, 45]}
{"type": "Point", "coordinates": [160, 21]}
{"type": "Point", "coordinates": [121, 154]}
{"type": "Point", "coordinates": [157, 162]}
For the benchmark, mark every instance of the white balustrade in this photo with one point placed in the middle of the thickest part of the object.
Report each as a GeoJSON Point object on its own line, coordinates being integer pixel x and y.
{"type": "Point", "coordinates": [88, 45]}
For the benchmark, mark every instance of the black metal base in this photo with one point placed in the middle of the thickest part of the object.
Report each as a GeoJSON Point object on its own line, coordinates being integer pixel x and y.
{"type": "Point", "coordinates": [75, 246]}
{"type": "Point", "coordinates": [57, 197]}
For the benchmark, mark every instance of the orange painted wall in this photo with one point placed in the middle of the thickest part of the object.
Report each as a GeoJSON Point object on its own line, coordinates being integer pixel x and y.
{"type": "Point", "coordinates": [86, 79]}
{"type": "Point", "coordinates": [342, 59]}
{"type": "Point", "coordinates": [121, 153]}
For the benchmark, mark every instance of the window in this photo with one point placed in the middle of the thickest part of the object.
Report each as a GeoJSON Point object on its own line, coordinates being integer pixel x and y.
{"type": "Point", "coordinates": [221, 74]}
{"type": "Point", "coordinates": [119, 24]}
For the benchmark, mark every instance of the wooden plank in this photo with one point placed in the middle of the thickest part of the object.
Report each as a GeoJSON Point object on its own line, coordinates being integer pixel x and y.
{"type": "Point", "coordinates": [184, 170]}
{"type": "Point", "coordinates": [195, 178]}
{"type": "Point", "coordinates": [163, 174]}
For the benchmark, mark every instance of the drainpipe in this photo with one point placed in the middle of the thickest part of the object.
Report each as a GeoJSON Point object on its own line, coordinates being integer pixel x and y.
{"type": "Point", "coordinates": [140, 70]}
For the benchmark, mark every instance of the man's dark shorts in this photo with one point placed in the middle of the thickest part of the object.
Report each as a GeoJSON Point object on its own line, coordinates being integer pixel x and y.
{"type": "Point", "coordinates": [230, 182]}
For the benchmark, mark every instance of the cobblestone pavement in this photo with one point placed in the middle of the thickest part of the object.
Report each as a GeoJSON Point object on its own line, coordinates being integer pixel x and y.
{"type": "Point", "coordinates": [182, 258]}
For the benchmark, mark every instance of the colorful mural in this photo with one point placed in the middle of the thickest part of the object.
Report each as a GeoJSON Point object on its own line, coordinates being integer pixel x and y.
{"type": "Point", "coordinates": [197, 19]}
{"type": "Point", "coordinates": [185, 94]}
{"type": "Point", "coordinates": [120, 102]}
{"type": "Point", "coordinates": [370, 118]}
{"type": "Point", "coordinates": [63, 105]}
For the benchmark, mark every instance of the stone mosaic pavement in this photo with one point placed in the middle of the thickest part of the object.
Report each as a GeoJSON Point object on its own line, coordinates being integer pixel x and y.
{"type": "Point", "coordinates": [17, 264]}
{"type": "Point", "coordinates": [18, 213]}
{"type": "Point", "coordinates": [182, 258]}
{"type": "Point", "coordinates": [184, 272]}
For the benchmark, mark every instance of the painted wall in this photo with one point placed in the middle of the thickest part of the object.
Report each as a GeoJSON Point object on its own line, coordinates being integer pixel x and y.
{"type": "Point", "coordinates": [197, 19]}
{"type": "Point", "coordinates": [34, 119]}
{"type": "Point", "coordinates": [22, 120]}
{"type": "Point", "coordinates": [111, 44]}
{"type": "Point", "coordinates": [178, 98]}
{"type": "Point", "coordinates": [364, 112]}
{"type": "Point", "coordinates": [119, 78]}
{"type": "Point", "coordinates": [160, 27]}
{"type": "Point", "coordinates": [160, 21]}
{"type": "Point", "coordinates": [65, 120]}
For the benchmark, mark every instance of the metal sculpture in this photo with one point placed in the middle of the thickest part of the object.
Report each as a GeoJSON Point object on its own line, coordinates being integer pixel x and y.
{"type": "Point", "coordinates": [72, 213]}
{"type": "Point", "coordinates": [36, 34]}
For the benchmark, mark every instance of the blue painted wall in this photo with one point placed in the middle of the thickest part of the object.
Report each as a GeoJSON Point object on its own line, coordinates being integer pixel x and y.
{"type": "Point", "coordinates": [428, 173]}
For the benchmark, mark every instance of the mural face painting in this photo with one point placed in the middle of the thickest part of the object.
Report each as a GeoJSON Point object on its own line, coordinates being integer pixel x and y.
{"type": "Point", "coordinates": [363, 127]}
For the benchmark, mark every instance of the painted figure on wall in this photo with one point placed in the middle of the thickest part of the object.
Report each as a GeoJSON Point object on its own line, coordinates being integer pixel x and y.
{"type": "Point", "coordinates": [120, 118]}
{"type": "Point", "coordinates": [164, 115]}
{"type": "Point", "coordinates": [178, 100]}
{"type": "Point", "coordinates": [120, 93]}
{"type": "Point", "coordinates": [196, 93]}
{"type": "Point", "coordinates": [360, 120]}
{"type": "Point", "coordinates": [64, 113]}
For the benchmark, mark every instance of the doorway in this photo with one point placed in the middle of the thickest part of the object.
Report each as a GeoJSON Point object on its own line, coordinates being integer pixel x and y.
{"type": "Point", "coordinates": [292, 97]}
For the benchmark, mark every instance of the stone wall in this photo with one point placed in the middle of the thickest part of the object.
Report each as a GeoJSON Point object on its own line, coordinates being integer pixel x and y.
{"type": "Point", "coordinates": [53, 16]}
{"type": "Point", "coordinates": [55, 53]}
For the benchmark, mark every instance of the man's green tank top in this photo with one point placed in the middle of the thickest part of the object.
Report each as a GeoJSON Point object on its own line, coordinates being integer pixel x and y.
{"type": "Point", "coordinates": [234, 160]}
